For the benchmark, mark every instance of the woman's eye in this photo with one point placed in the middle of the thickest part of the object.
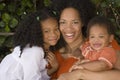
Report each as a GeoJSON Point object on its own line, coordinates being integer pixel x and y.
{"type": "Point", "coordinates": [76, 22]}
{"type": "Point", "coordinates": [62, 22]}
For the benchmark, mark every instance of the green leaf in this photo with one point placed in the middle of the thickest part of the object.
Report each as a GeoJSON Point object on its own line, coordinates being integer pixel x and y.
{"type": "Point", "coordinates": [6, 18]}
{"type": "Point", "coordinates": [118, 32]}
{"type": "Point", "coordinates": [7, 29]}
{"type": "Point", "coordinates": [11, 7]}
{"type": "Point", "coordinates": [2, 39]}
{"type": "Point", "coordinates": [13, 23]}
{"type": "Point", "coordinates": [2, 24]}
{"type": "Point", "coordinates": [29, 4]}
{"type": "Point", "coordinates": [47, 2]}
{"type": "Point", "coordinates": [117, 2]}
{"type": "Point", "coordinates": [2, 5]}
{"type": "Point", "coordinates": [96, 1]}
{"type": "Point", "coordinates": [103, 5]}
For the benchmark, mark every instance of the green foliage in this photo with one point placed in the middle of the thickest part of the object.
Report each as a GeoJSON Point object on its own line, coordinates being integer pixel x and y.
{"type": "Point", "coordinates": [2, 39]}
{"type": "Point", "coordinates": [11, 12]}
{"type": "Point", "coordinates": [110, 9]}
{"type": "Point", "coordinates": [2, 5]}
{"type": "Point", "coordinates": [2, 24]}
{"type": "Point", "coordinates": [6, 19]}
{"type": "Point", "coordinates": [47, 2]}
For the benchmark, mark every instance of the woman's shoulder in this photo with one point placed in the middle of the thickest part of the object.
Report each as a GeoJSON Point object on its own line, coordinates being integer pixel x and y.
{"type": "Point", "coordinates": [115, 45]}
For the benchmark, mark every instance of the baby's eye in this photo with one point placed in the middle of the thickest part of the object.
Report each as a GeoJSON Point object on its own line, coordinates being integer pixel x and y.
{"type": "Point", "coordinates": [101, 36]}
{"type": "Point", "coordinates": [91, 37]}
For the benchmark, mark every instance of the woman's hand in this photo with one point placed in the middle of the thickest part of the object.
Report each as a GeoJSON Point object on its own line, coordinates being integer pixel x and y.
{"type": "Point", "coordinates": [78, 65]}
{"type": "Point", "coordinates": [51, 58]}
{"type": "Point", "coordinates": [75, 75]}
{"type": "Point", "coordinates": [66, 76]}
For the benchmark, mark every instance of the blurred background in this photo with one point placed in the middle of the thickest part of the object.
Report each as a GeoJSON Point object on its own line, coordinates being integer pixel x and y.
{"type": "Point", "coordinates": [12, 11]}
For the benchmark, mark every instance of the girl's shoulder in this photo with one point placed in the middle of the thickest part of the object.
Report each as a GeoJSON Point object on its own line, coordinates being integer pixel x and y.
{"type": "Point", "coordinates": [33, 49]}
{"type": "Point", "coordinates": [33, 52]}
{"type": "Point", "coordinates": [10, 67]}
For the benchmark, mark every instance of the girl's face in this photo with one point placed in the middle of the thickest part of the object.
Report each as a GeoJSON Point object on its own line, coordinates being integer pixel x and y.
{"type": "Point", "coordinates": [51, 32]}
{"type": "Point", "coordinates": [99, 37]}
{"type": "Point", "coordinates": [70, 25]}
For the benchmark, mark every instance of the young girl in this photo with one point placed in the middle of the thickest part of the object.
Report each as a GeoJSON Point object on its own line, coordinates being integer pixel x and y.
{"type": "Point", "coordinates": [51, 34]}
{"type": "Point", "coordinates": [98, 50]}
{"type": "Point", "coordinates": [27, 62]}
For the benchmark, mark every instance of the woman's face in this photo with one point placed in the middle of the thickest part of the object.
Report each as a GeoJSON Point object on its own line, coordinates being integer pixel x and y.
{"type": "Point", "coordinates": [70, 25]}
{"type": "Point", "coordinates": [51, 32]}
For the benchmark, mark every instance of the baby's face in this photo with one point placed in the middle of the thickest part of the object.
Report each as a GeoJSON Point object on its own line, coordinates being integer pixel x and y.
{"type": "Point", "coordinates": [99, 37]}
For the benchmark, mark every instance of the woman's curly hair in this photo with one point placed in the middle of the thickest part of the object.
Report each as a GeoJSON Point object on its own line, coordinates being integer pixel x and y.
{"type": "Point", "coordinates": [28, 32]}
{"type": "Point", "coordinates": [85, 7]}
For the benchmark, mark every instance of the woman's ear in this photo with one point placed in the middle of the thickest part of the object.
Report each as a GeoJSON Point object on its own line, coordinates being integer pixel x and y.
{"type": "Point", "coordinates": [83, 24]}
{"type": "Point", "coordinates": [111, 38]}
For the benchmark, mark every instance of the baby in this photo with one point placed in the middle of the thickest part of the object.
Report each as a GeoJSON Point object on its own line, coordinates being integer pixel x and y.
{"type": "Point", "coordinates": [97, 51]}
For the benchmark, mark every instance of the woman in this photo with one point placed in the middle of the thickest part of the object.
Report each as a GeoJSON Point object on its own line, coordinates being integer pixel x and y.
{"type": "Point", "coordinates": [74, 16]}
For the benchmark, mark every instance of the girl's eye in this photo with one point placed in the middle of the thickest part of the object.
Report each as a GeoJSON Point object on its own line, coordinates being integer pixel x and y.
{"type": "Point", "coordinates": [56, 29]}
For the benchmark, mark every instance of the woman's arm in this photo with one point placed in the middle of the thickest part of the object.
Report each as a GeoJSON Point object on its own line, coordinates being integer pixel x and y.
{"type": "Point", "coordinates": [75, 75]}
{"type": "Point", "coordinates": [89, 75]}
{"type": "Point", "coordinates": [97, 65]}
{"type": "Point", "coordinates": [104, 75]}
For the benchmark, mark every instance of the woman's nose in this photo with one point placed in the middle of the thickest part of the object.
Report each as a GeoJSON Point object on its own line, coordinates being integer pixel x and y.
{"type": "Point", "coordinates": [68, 26]}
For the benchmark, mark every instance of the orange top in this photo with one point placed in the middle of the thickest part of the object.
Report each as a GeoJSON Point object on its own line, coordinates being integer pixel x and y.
{"type": "Point", "coordinates": [115, 45]}
{"type": "Point", "coordinates": [66, 64]}
{"type": "Point", "coordinates": [107, 54]}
